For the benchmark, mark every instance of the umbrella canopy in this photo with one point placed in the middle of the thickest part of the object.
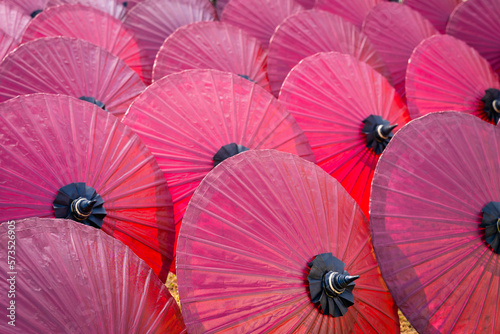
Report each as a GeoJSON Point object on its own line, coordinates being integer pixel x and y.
{"type": "Point", "coordinates": [90, 24]}
{"type": "Point", "coordinates": [353, 11]}
{"type": "Point", "coordinates": [261, 17]}
{"type": "Point", "coordinates": [30, 7]}
{"type": "Point", "coordinates": [347, 111]}
{"type": "Point", "coordinates": [445, 73]}
{"type": "Point", "coordinates": [395, 31]}
{"type": "Point", "coordinates": [307, 4]}
{"type": "Point", "coordinates": [261, 232]}
{"type": "Point", "coordinates": [152, 21]}
{"type": "Point", "coordinates": [71, 278]}
{"type": "Point", "coordinates": [114, 8]}
{"type": "Point", "coordinates": [313, 31]}
{"type": "Point", "coordinates": [474, 22]}
{"type": "Point", "coordinates": [7, 44]}
{"type": "Point", "coordinates": [436, 11]}
{"type": "Point", "coordinates": [434, 211]}
{"type": "Point", "coordinates": [70, 66]}
{"type": "Point", "coordinates": [194, 119]}
{"type": "Point", "coordinates": [58, 154]}
{"type": "Point", "coordinates": [213, 45]}
{"type": "Point", "coordinates": [13, 22]}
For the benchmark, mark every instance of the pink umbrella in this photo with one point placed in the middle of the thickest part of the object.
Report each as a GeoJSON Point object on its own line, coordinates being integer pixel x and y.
{"type": "Point", "coordinates": [474, 22]}
{"type": "Point", "coordinates": [213, 45]}
{"type": "Point", "coordinates": [307, 4]}
{"type": "Point", "coordinates": [89, 24]}
{"type": "Point", "coordinates": [436, 11]}
{"type": "Point", "coordinates": [348, 112]}
{"type": "Point", "coordinates": [71, 278]}
{"type": "Point", "coordinates": [30, 7]}
{"type": "Point", "coordinates": [313, 31]}
{"type": "Point", "coordinates": [194, 119]}
{"type": "Point", "coordinates": [7, 44]}
{"type": "Point", "coordinates": [262, 235]}
{"type": "Point", "coordinates": [13, 22]}
{"type": "Point", "coordinates": [219, 6]}
{"type": "Point", "coordinates": [353, 11]}
{"type": "Point", "coordinates": [259, 18]}
{"type": "Point", "coordinates": [73, 67]}
{"type": "Point", "coordinates": [59, 155]}
{"type": "Point", "coordinates": [444, 73]}
{"type": "Point", "coordinates": [434, 215]}
{"type": "Point", "coordinates": [395, 31]}
{"type": "Point", "coordinates": [152, 21]}
{"type": "Point", "coordinates": [114, 8]}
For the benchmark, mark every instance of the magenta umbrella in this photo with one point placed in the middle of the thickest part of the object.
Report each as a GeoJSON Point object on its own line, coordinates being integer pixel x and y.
{"type": "Point", "coordinates": [312, 31]}
{"type": "Point", "coordinates": [395, 31]}
{"type": "Point", "coordinates": [353, 11]}
{"type": "Point", "coordinates": [70, 66]}
{"type": "Point", "coordinates": [434, 215]}
{"type": "Point", "coordinates": [259, 18]}
{"type": "Point", "coordinates": [445, 73]}
{"type": "Point", "coordinates": [152, 21]}
{"type": "Point", "coordinates": [436, 11]}
{"type": "Point", "coordinates": [474, 22]}
{"type": "Point", "coordinates": [71, 278]}
{"type": "Point", "coordinates": [268, 244]}
{"type": "Point", "coordinates": [213, 45]}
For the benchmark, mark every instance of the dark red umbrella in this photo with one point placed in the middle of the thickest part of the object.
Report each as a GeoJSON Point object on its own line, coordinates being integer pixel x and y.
{"type": "Point", "coordinates": [312, 31]}
{"type": "Point", "coordinates": [59, 154]}
{"type": "Point", "coordinates": [152, 21]}
{"type": "Point", "coordinates": [436, 11]}
{"type": "Point", "coordinates": [474, 22]}
{"type": "Point", "coordinates": [64, 277]}
{"type": "Point", "coordinates": [213, 45]}
{"type": "Point", "coordinates": [434, 215]}
{"type": "Point", "coordinates": [348, 112]}
{"type": "Point", "coordinates": [445, 73]}
{"type": "Point", "coordinates": [259, 18]}
{"type": "Point", "coordinates": [194, 119]}
{"type": "Point", "coordinates": [395, 31]}
{"type": "Point", "coordinates": [89, 24]}
{"type": "Point", "coordinates": [70, 66]}
{"type": "Point", "coordinates": [266, 244]}
{"type": "Point", "coordinates": [353, 11]}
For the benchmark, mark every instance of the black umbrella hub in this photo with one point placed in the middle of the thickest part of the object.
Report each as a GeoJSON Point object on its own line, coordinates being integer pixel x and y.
{"type": "Point", "coordinates": [228, 151]}
{"type": "Point", "coordinates": [378, 133]}
{"type": "Point", "coordinates": [35, 13]}
{"type": "Point", "coordinates": [491, 101]}
{"type": "Point", "coordinates": [94, 101]}
{"type": "Point", "coordinates": [491, 225]}
{"type": "Point", "coordinates": [330, 285]}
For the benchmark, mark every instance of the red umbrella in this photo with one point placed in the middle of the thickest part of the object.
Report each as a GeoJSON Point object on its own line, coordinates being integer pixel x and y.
{"type": "Point", "coordinates": [194, 119]}
{"type": "Point", "coordinates": [395, 31]}
{"type": "Point", "coordinates": [444, 73]}
{"type": "Point", "coordinates": [264, 231]}
{"type": "Point", "coordinates": [73, 67]}
{"type": "Point", "coordinates": [436, 11]}
{"type": "Point", "coordinates": [213, 45]}
{"type": "Point", "coordinates": [353, 11]}
{"type": "Point", "coordinates": [59, 154]}
{"type": "Point", "coordinates": [474, 22]}
{"type": "Point", "coordinates": [64, 277]}
{"type": "Point", "coordinates": [89, 24]}
{"type": "Point", "coordinates": [313, 31]}
{"type": "Point", "coordinates": [261, 17]}
{"type": "Point", "coordinates": [346, 110]}
{"type": "Point", "coordinates": [152, 21]}
{"type": "Point", "coordinates": [434, 212]}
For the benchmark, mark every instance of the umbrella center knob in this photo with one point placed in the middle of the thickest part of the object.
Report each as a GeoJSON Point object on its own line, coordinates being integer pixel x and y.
{"type": "Point", "coordinates": [491, 101]}
{"type": "Point", "coordinates": [491, 225]}
{"type": "Point", "coordinates": [94, 101]}
{"type": "Point", "coordinates": [35, 13]}
{"type": "Point", "coordinates": [81, 208]}
{"type": "Point", "coordinates": [378, 133]}
{"type": "Point", "coordinates": [228, 151]}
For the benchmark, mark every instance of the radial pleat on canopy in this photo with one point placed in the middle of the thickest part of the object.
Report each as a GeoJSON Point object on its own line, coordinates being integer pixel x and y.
{"type": "Point", "coordinates": [445, 73]}
{"type": "Point", "coordinates": [261, 17]}
{"type": "Point", "coordinates": [395, 31]}
{"type": "Point", "coordinates": [72, 278]}
{"type": "Point", "coordinates": [312, 31]}
{"type": "Point", "coordinates": [348, 112]}
{"type": "Point", "coordinates": [253, 229]}
{"type": "Point", "coordinates": [152, 21]}
{"type": "Point", "coordinates": [434, 216]}
{"type": "Point", "coordinates": [213, 45]}
{"type": "Point", "coordinates": [353, 11]}
{"type": "Point", "coordinates": [436, 11]}
{"type": "Point", "coordinates": [58, 154]}
{"type": "Point", "coordinates": [188, 118]}
{"type": "Point", "coordinates": [474, 22]}
{"type": "Point", "coordinates": [70, 66]}
{"type": "Point", "coordinates": [7, 44]}
{"type": "Point", "coordinates": [89, 24]}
